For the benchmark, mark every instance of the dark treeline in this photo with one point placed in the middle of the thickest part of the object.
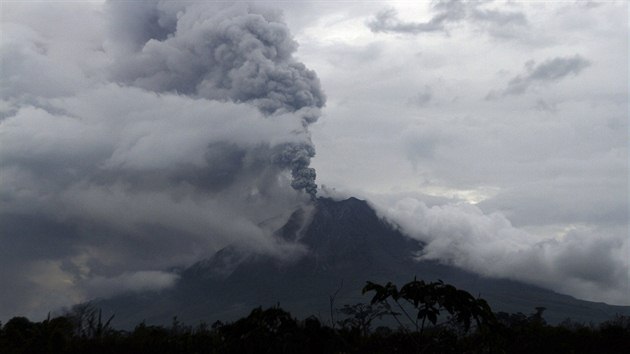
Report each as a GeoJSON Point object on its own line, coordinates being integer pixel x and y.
{"type": "Point", "coordinates": [429, 318]}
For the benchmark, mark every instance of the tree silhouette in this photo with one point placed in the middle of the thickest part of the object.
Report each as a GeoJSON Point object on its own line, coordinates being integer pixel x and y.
{"type": "Point", "coordinates": [430, 300]}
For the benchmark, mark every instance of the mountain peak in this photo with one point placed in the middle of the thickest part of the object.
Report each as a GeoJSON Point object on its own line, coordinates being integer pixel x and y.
{"type": "Point", "coordinates": [341, 208]}
{"type": "Point", "coordinates": [350, 230]}
{"type": "Point", "coordinates": [348, 244]}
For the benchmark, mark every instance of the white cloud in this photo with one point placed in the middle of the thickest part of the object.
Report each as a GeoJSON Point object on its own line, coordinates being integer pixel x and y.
{"type": "Point", "coordinates": [463, 235]}
{"type": "Point", "coordinates": [557, 172]}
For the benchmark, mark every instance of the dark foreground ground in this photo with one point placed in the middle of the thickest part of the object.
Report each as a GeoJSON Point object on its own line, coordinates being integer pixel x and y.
{"type": "Point", "coordinates": [86, 330]}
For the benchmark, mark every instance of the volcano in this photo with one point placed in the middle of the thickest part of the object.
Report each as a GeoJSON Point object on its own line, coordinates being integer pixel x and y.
{"type": "Point", "coordinates": [347, 244]}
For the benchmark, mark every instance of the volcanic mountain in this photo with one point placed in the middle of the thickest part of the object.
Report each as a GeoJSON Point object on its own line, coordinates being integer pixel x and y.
{"type": "Point", "coordinates": [347, 244]}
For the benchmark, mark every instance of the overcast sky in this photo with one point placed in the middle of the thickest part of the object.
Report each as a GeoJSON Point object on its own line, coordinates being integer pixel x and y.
{"type": "Point", "coordinates": [139, 136]}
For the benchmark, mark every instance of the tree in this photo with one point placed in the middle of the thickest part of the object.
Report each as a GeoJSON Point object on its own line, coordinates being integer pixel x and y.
{"type": "Point", "coordinates": [430, 300]}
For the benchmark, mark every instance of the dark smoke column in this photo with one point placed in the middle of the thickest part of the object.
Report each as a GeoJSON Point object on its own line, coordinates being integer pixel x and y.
{"type": "Point", "coordinates": [227, 52]}
{"type": "Point", "coordinates": [298, 158]}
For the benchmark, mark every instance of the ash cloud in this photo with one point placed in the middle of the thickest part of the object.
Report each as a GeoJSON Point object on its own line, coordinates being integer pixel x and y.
{"type": "Point", "coordinates": [182, 130]}
{"type": "Point", "coordinates": [218, 53]}
{"type": "Point", "coordinates": [224, 53]}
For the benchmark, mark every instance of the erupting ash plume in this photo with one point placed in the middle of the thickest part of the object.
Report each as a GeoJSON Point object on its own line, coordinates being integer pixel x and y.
{"type": "Point", "coordinates": [232, 53]}
{"type": "Point", "coordinates": [155, 135]}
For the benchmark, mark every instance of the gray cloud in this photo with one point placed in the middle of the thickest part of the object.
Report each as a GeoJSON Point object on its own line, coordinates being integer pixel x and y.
{"type": "Point", "coordinates": [187, 130]}
{"type": "Point", "coordinates": [545, 106]}
{"type": "Point", "coordinates": [503, 18]}
{"type": "Point", "coordinates": [137, 282]}
{"type": "Point", "coordinates": [387, 21]}
{"type": "Point", "coordinates": [423, 97]}
{"type": "Point", "coordinates": [549, 71]}
{"type": "Point", "coordinates": [564, 200]}
{"type": "Point", "coordinates": [449, 12]}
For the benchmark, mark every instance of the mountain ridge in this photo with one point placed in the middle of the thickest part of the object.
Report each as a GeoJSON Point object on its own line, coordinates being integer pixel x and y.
{"type": "Point", "coordinates": [348, 244]}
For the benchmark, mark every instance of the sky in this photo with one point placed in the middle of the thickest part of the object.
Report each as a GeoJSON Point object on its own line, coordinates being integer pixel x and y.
{"type": "Point", "coordinates": [138, 137]}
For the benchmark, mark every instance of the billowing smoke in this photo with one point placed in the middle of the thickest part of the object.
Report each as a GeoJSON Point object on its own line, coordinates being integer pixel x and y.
{"type": "Point", "coordinates": [141, 136]}
{"type": "Point", "coordinates": [298, 158]}
{"type": "Point", "coordinates": [219, 53]}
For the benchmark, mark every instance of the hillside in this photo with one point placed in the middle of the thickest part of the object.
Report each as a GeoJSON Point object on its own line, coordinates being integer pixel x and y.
{"type": "Point", "coordinates": [348, 245]}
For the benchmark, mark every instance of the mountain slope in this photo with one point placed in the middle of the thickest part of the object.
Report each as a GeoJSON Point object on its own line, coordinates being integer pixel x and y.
{"type": "Point", "coordinates": [348, 245]}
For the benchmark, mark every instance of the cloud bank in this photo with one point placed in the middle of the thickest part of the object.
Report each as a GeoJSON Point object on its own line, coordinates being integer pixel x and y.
{"type": "Point", "coordinates": [142, 136]}
{"type": "Point", "coordinates": [553, 160]}
{"type": "Point", "coordinates": [581, 260]}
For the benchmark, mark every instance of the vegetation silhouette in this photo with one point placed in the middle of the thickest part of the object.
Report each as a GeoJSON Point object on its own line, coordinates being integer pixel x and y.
{"type": "Point", "coordinates": [430, 301]}
{"type": "Point", "coordinates": [431, 318]}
